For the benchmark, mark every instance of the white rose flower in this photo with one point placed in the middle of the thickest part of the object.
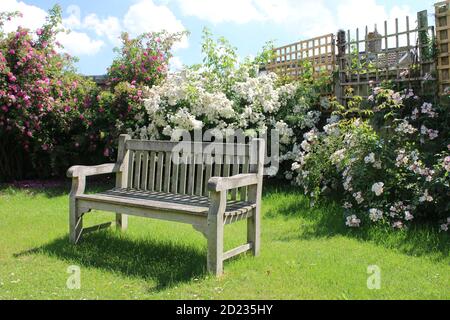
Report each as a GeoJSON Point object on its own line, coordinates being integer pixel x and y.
{"type": "Point", "coordinates": [375, 214]}
{"type": "Point", "coordinates": [378, 188]}
{"type": "Point", "coordinates": [353, 221]}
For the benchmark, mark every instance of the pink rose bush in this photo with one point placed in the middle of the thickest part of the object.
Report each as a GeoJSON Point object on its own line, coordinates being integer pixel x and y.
{"type": "Point", "coordinates": [52, 117]}
{"type": "Point", "coordinates": [143, 60]}
{"type": "Point", "coordinates": [44, 105]}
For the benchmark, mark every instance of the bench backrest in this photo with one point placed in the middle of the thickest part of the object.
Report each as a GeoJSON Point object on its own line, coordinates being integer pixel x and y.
{"type": "Point", "coordinates": [186, 167]}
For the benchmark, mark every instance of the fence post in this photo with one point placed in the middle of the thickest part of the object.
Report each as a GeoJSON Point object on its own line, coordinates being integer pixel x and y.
{"type": "Point", "coordinates": [442, 10]}
{"type": "Point", "coordinates": [341, 43]}
{"type": "Point", "coordinates": [424, 48]}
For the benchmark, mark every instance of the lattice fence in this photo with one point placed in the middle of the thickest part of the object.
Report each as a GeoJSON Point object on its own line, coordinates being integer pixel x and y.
{"type": "Point", "coordinates": [319, 51]}
{"type": "Point", "coordinates": [402, 56]}
{"type": "Point", "coordinates": [442, 39]}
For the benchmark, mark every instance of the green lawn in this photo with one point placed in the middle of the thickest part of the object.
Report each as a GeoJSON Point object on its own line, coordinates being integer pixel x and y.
{"type": "Point", "coordinates": [306, 254]}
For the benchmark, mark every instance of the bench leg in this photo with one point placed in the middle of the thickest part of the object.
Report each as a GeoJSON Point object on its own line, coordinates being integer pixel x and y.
{"type": "Point", "coordinates": [254, 222]}
{"type": "Point", "coordinates": [215, 233]}
{"type": "Point", "coordinates": [121, 221]}
{"type": "Point", "coordinates": [75, 223]}
{"type": "Point", "coordinates": [254, 233]}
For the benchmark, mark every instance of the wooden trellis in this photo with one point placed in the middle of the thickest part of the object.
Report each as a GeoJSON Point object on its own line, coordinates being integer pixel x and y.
{"type": "Point", "coordinates": [442, 40]}
{"type": "Point", "coordinates": [370, 57]}
{"type": "Point", "coordinates": [319, 51]}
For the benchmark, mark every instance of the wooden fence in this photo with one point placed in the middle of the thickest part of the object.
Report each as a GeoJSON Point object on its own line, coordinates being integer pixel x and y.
{"type": "Point", "coordinates": [403, 57]}
{"type": "Point", "coordinates": [442, 11]}
{"type": "Point", "coordinates": [409, 53]}
{"type": "Point", "coordinates": [319, 51]}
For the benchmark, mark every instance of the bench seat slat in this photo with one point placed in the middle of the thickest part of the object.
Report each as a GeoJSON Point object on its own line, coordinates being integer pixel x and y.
{"type": "Point", "coordinates": [197, 205]}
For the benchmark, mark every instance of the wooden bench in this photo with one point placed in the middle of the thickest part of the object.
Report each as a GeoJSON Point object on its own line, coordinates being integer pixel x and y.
{"type": "Point", "coordinates": [213, 185]}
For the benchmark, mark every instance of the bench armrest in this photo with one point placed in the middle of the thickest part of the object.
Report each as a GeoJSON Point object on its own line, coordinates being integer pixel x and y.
{"type": "Point", "coordinates": [86, 171]}
{"type": "Point", "coordinates": [226, 183]}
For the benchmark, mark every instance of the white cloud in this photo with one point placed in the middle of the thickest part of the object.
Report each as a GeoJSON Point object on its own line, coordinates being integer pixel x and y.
{"type": "Point", "coordinates": [176, 64]}
{"type": "Point", "coordinates": [310, 18]}
{"type": "Point", "coordinates": [352, 14]}
{"type": "Point", "coordinates": [239, 11]}
{"type": "Point", "coordinates": [73, 20]}
{"type": "Point", "coordinates": [359, 13]}
{"type": "Point", "coordinates": [33, 17]}
{"type": "Point", "coordinates": [79, 43]}
{"type": "Point", "coordinates": [146, 16]}
{"type": "Point", "coordinates": [75, 43]}
{"type": "Point", "coordinates": [109, 27]}
{"type": "Point", "coordinates": [143, 16]}
{"type": "Point", "coordinates": [290, 13]}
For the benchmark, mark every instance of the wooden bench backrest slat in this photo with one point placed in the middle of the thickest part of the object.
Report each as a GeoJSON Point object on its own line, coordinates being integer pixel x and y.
{"type": "Point", "coordinates": [194, 147]}
{"type": "Point", "coordinates": [152, 172]}
{"type": "Point", "coordinates": [144, 177]}
{"type": "Point", "coordinates": [159, 171]}
{"type": "Point", "coordinates": [152, 166]}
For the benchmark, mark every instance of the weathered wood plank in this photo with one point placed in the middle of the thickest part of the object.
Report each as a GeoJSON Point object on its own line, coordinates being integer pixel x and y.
{"type": "Point", "coordinates": [167, 170]}
{"type": "Point", "coordinates": [144, 177]}
{"type": "Point", "coordinates": [199, 174]}
{"type": "Point", "coordinates": [152, 172]}
{"type": "Point", "coordinates": [215, 232]}
{"type": "Point", "coordinates": [167, 215]}
{"type": "Point", "coordinates": [191, 175]}
{"type": "Point", "coordinates": [130, 169]}
{"type": "Point", "coordinates": [226, 166]}
{"type": "Point", "coordinates": [137, 169]}
{"type": "Point", "coordinates": [122, 177]}
{"type": "Point", "coordinates": [186, 147]}
{"type": "Point", "coordinates": [208, 172]}
{"type": "Point", "coordinates": [245, 169]}
{"type": "Point", "coordinates": [236, 169]}
{"type": "Point", "coordinates": [150, 203]}
{"type": "Point", "coordinates": [96, 228]}
{"type": "Point", "coordinates": [255, 196]}
{"type": "Point", "coordinates": [159, 171]}
{"type": "Point", "coordinates": [183, 173]}
{"type": "Point", "coordinates": [237, 251]}
{"type": "Point", "coordinates": [175, 174]}
{"type": "Point", "coordinates": [233, 182]}
{"type": "Point", "coordinates": [86, 171]}
{"type": "Point", "coordinates": [75, 214]}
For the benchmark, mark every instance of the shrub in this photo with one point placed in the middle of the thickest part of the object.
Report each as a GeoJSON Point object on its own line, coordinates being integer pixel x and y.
{"type": "Point", "coordinates": [383, 157]}
{"type": "Point", "coordinates": [51, 117]}
{"type": "Point", "coordinates": [143, 60]}
{"type": "Point", "coordinates": [226, 96]}
{"type": "Point", "coordinates": [44, 104]}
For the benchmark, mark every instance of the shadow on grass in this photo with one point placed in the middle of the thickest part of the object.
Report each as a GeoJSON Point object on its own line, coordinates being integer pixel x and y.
{"type": "Point", "coordinates": [162, 262]}
{"type": "Point", "coordinates": [327, 220]}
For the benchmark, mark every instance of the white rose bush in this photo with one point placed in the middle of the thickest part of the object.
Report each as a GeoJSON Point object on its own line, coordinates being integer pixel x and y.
{"type": "Point", "coordinates": [224, 96]}
{"type": "Point", "coordinates": [388, 156]}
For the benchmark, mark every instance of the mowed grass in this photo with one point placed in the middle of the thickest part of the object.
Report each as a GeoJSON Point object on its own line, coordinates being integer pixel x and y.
{"type": "Point", "coordinates": [306, 254]}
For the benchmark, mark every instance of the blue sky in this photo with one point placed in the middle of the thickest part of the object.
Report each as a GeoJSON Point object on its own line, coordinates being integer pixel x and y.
{"type": "Point", "coordinates": [248, 24]}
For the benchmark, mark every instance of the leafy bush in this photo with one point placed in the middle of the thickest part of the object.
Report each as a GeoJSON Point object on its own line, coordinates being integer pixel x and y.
{"type": "Point", "coordinates": [383, 157]}
{"type": "Point", "coordinates": [44, 104]}
{"type": "Point", "coordinates": [143, 60]}
{"type": "Point", "coordinates": [225, 95]}
{"type": "Point", "coordinates": [51, 117]}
